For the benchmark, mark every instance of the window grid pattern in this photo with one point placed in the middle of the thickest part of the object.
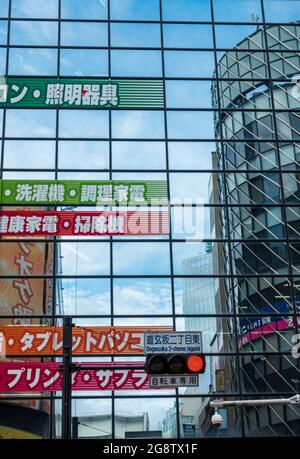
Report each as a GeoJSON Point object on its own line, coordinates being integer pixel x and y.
{"type": "Point", "coordinates": [229, 133]}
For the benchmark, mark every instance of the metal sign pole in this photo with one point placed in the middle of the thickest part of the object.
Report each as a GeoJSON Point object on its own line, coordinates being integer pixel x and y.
{"type": "Point", "coordinates": [66, 427]}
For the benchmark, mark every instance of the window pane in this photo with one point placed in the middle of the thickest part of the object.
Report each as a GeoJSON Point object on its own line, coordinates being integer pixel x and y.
{"type": "Point", "coordinates": [135, 9]}
{"type": "Point", "coordinates": [75, 175]}
{"type": "Point", "coordinates": [86, 296]}
{"type": "Point", "coordinates": [3, 32]}
{"type": "Point", "coordinates": [191, 155]}
{"type": "Point", "coordinates": [4, 8]}
{"type": "Point", "coordinates": [176, 10]}
{"type": "Point", "coordinates": [188, 259]}
{"type": "Point", "coordinates": [228, 36]}
{"type": "Point", "coordinates": [196, 295]}
{"type": "Point", "coordinates": [139, 155]}
{"type": "Point", "coordinates": [89, 9]}
{"type": "Point", "coordinates": [146, 410]}
{"type": "Point", "coordinates": [188, 94]}
{"type": "Point", "coordinates": [189, 64]}
{"type": "Point", "coordinates": [136, 63]}
{"type": "Point", "coordinates": [33, 33]}
{"type": "Point", "coordinates": [85, 124]}
{"type": "Point", "coordinates": [187, 36]}
{"type": "Point", "coordinates": [135, 35]}
{"type": "Point", "coordinates": [84, 258]}
{"type": "Point", "coordinates": [243, 10]}
{"type": "Point", "coordinates": [34, 9]}
{"type": "Point", "coordinates": [142, 296]}
{"type": "Point", "coordinates": [30, 123]}
{"type": "Point", "coordinates": [29, 154]}
{"type": "Point", "coordinates": [141, 258]}
{"type": "Point", "coordinates": [33, 61]}
{"type": "Point", "coordinates": [83, 155]}
{"type": "Point", "coordinates": [2, 61]}
{"type": "Point", "coordinates": [276, 11]}
{"type": "Point", "coordinates": [190, 185]}
{"type": "Point", "coordinates": [87, 62]}
{"type": "Point", "coordinates": [137, 124]}
{"type": "Point", "coordinates": [190, 125]}
{"type": "Point", "coordinates": [83, 34]}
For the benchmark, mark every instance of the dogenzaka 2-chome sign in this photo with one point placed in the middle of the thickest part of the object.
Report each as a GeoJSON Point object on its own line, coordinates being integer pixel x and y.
{"type": "Point", "coordinates": [80, 93]}
{"type": "Point", "coordinates": [72, 192]}
{"type": "Point", "coordinates": [172, 343]}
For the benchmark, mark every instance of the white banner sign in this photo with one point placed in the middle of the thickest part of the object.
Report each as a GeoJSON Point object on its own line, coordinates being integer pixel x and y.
{"type": "Point", "coordinates": [172, 343]}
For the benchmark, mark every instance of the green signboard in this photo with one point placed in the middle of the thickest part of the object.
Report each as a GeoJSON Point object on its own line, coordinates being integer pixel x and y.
{"type": "Point", "coordinates": [73, 192]}
{"type": "Point", "coordinates": [80, 92]}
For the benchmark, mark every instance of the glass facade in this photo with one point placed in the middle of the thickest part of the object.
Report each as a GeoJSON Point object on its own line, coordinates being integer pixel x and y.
{"type": "Point", "coordinates": [227, 136]}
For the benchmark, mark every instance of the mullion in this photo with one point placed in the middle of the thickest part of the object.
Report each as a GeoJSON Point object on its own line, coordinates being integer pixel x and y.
{"type": "Point", "coordinates": [111, 242]}
{"type": "Point", "coordinates": [169, 196]}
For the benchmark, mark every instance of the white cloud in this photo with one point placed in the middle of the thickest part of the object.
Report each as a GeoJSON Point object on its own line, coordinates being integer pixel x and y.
{"type": "Point", "coordinates": [27, 32]}
{"type": "Point", "coordinates": [137, 124]}
{"type": "Point", "coordinates": [94, 259]}
{"type": "Point", "coordinates": [141, 258]}
{"type": "Point", "coordinates": [85, 301]}
{"type": "Point", "coordinates": [143, 298]}
{"type": "Point", "coordinates": [35, 8]}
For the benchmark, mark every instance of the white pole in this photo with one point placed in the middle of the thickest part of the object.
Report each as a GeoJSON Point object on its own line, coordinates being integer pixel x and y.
{"type": "Point", "coordinates": [295, 400]}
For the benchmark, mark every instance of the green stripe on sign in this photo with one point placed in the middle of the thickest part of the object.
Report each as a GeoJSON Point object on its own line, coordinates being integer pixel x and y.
{"type": "Point", "coordinates": [88, 192]}
{"type": "Point", "coordinates": [80, 93]}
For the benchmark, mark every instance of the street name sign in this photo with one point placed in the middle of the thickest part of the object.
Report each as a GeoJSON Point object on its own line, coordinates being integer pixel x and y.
{"type": "Point", "coordinates": [172, 342]}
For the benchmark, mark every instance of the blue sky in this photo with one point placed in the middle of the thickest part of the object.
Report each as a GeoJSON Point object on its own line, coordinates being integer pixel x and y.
{"type": "Point", "coordinates": [174, 10]}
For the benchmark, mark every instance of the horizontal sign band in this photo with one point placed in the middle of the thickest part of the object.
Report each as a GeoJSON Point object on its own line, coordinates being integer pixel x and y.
{"type": "Point", "coordinates": [40, 340]}
{"type": "Point", "coordinates": [47, 377]}
{"type": "Point", "coordinates": [88, 93]}
{"type": "Point", "coordinates": [53, 223]}
{"type": "Point", "coordinates": [74, 192]}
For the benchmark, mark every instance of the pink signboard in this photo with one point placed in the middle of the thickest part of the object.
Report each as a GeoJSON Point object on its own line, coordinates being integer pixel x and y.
{"type": "Point", "coordinates": [47, 377]}
{"type": "Point", "coordinates": [269, 327]}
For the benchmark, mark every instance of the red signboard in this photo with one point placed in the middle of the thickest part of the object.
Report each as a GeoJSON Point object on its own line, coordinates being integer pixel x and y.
{"type": "Point", "coordinates": [47, 377]}
{"type": "Point", "coordinates": [53, 223]}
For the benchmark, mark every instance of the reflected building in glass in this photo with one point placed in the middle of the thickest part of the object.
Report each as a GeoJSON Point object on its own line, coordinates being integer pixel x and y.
{"type": "Point", "coordinates": [260, 130]}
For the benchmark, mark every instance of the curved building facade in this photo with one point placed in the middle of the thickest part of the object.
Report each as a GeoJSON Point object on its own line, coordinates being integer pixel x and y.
{"type": "Point", "coordinates": [258, 124]}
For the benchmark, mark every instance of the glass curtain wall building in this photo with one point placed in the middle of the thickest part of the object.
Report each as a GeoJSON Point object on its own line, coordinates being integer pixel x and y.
{"type": "Point", "coordinates": [228, 135]}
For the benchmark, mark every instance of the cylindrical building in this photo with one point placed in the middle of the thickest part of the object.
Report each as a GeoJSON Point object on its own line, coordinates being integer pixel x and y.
{"type": "Point", "coordinates": [257, 98]}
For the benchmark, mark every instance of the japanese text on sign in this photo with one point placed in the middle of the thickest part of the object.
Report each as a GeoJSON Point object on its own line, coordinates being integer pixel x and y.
{"type": "Point", "coordinates": [169, 343]}
{"type": "Point", "coordinates": [70, 192]}
{"type": "Point", "coordinates": [173, 381]}
{"type": "Point", "coordinates": [41, 377]}
{"type": "Point", "coordinates": [80, 93]}
{"type": "Point", "coordinates": [13, 223]}
{"type": "Point", "coordinates": [35, 340]}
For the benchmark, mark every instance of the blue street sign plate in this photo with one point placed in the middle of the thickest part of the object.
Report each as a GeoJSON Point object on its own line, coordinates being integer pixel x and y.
{"type": "Point", "coordinates": [172, 342]}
